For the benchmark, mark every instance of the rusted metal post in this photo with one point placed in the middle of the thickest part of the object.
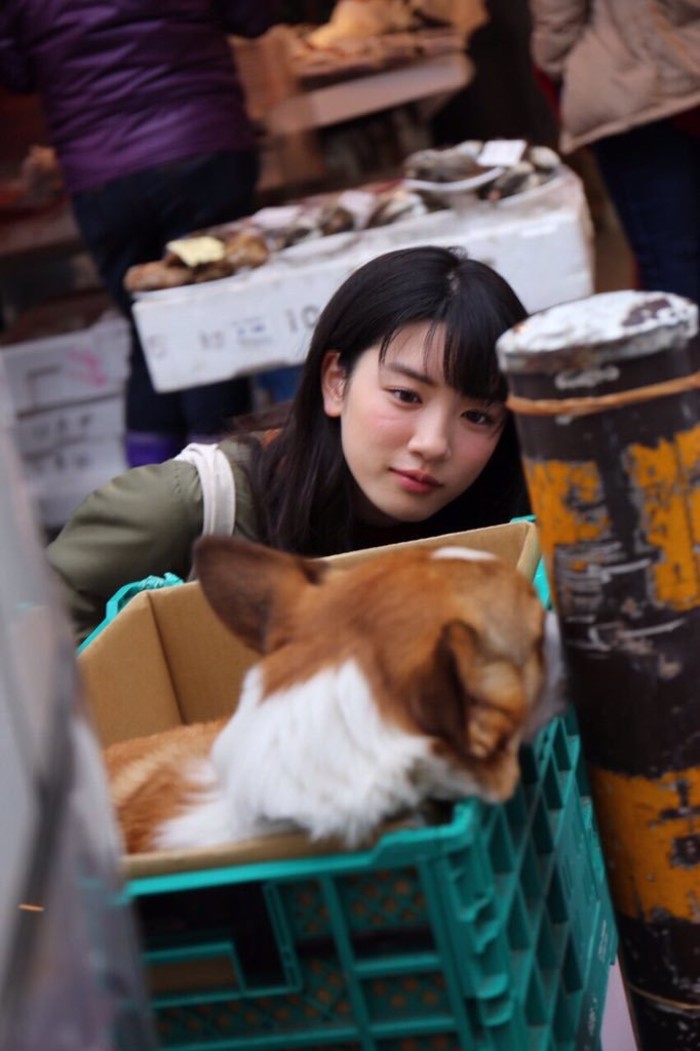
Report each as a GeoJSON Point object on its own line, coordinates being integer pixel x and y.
{"type": "Point", "coordinates": [607, 403]}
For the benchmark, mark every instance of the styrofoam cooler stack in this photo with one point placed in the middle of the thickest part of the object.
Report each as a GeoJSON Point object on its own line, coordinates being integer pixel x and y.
{"type": "Point", "coordinates": [66, 387]}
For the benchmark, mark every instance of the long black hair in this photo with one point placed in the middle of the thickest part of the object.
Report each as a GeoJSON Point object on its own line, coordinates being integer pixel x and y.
{"type": "Point", "coordinates": [300, 481]}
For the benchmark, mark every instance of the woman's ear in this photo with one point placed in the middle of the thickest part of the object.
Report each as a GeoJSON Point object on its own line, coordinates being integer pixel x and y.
{"type": "Point", "coordinates": [333, 379]}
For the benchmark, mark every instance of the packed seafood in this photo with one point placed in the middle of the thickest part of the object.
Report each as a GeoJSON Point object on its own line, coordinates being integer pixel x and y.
{"type": "Point", "coordinates": [446, 165]}
{"type": "Point", "coordinates": [226, 250]}
{"type": "Point", "coordinates": [430, 178]}
{"type": "Point", "coordinates": [464, 167]}
{"type": "Point", "coordinates": [539, 165]}
{"type": "Point", "coordinates": [202, 257]}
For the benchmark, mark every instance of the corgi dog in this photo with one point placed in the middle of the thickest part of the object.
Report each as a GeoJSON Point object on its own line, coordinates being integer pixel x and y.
{"type": "Point", "coordinates": [411, 675]}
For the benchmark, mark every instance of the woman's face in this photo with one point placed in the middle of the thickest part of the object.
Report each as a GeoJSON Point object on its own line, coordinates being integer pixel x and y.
{"type": "Point", "coordinates": [412, 443]}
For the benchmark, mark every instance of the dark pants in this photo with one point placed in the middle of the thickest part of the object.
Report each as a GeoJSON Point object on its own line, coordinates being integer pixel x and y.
{"type": "Point", "coordinates": [653, 176]}
{"type": "Point", "coordinates": [130, 220]}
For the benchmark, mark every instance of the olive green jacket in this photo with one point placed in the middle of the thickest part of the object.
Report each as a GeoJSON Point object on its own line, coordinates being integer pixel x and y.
{"type": "Point", "coordinates": [142, 523]}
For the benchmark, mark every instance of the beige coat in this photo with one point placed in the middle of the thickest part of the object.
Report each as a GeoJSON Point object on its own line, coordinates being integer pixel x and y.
{"type": "Point", "coordinates": [622, 63]}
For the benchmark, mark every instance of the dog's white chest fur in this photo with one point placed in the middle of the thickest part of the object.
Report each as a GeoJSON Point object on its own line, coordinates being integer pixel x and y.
{"type": "Point", "coordinates": [317, 756]}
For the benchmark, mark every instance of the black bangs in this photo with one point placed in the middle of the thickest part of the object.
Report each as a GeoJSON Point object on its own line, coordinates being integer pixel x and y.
{"type": "Point", "coordinates": [471, 304]}
{"type": "Point", "coordinates": [439, 287]}
{"type": "Point", "coordinates": [471, 368]}
{"type": "Point", "coordinates": [480, 309]}
{"type": "Point", "coordinates": [469, 362]}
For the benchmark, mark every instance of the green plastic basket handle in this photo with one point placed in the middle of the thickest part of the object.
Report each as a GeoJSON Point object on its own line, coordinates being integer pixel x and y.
{"type": "Point", "coordinates": [120, 598]}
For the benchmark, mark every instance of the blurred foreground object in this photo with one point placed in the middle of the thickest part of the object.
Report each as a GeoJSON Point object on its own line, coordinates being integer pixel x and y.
{"type": "Point", "coordinates": [70, 973]}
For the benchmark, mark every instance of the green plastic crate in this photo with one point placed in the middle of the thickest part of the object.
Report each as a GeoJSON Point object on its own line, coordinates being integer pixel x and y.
{"type": "Point", "coordinates": [491, 932]}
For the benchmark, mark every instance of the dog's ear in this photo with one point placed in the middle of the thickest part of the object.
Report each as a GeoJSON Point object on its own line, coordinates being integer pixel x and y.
{"type": "Point", "coordinates": [249, 585]}
{"type": "Point", "coordinates": [472, 704]}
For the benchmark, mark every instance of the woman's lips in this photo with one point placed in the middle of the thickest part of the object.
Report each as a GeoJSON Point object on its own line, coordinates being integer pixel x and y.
{"type": "Point", "coordinates": [416, 481]}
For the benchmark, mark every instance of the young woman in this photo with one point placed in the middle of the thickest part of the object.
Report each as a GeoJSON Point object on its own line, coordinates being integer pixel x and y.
{"type": "Point", "coordinates": [398, 431]}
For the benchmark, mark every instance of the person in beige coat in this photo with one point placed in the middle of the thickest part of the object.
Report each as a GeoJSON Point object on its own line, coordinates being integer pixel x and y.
{"type": "Point", "coordinates": [629, 77]}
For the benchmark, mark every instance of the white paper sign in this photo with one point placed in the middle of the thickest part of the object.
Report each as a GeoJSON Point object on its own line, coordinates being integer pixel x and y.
{"type": "Point", "coordinates": [501, 153]}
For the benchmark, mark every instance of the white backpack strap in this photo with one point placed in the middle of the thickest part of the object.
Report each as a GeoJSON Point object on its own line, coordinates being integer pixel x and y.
{"type": "Point", "coordinates": [218, 487]}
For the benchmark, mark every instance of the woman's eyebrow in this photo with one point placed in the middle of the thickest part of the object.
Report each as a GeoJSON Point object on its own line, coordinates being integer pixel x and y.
{"type": "Point", "coordinates": [412, 374]}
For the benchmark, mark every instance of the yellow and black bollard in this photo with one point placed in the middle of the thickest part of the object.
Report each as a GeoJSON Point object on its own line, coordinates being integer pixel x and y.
{"type": "Point", "coordinates": [607, 403]}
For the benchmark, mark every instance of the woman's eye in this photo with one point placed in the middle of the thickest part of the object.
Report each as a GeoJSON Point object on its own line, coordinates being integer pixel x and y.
{"type": "Point", "coordinates": [482, 419]}
{"type": "Point", "coordinates": [408, 397]}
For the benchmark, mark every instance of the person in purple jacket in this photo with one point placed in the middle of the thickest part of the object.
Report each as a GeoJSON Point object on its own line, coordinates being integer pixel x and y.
{"type": "Point", "coordinates": [145, 110]}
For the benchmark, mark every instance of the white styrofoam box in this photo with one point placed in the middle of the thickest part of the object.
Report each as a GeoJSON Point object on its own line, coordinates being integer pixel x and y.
{"type": "Point", "coordinates": [56, 432]}
{"type": "Point", "coordinates": [540, 242]}
{"type": "Point", "coordinates": [55, 506]}
{"type": "Point", "coordinates": [74, 366]}
{"type": "Point", "coordinates": [69, 451]}
{"type": "Point", "coordinates": [60, 484]}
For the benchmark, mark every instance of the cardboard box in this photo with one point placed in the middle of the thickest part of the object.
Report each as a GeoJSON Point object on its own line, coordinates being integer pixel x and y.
{"type": "Point", "coordinates": [256, 320]}
{"type": "Point", "coordinates": [166, 659]}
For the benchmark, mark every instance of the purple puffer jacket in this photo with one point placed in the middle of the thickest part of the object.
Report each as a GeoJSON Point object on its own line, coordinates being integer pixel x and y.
{"type": "Point", "coordinates": [129, 84]}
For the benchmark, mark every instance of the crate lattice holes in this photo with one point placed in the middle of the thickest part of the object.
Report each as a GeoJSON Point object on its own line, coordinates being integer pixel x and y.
{"type": "Point", "coordinates": [491, 932]}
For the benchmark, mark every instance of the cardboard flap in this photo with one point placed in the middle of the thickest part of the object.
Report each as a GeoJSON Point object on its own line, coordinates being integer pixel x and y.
{"type": "Point", "coordinates": [527, 540]}
{"type": "Point", "coordinates": [515, 542]}
{"type": "Point", "coordinates": [127, 679]}
{"type": "Point", "coordinates": [206, 661]}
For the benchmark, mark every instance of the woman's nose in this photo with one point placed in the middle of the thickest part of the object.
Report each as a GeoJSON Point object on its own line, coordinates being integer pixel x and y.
{"type": "Point", "coordinates": [431, 438]}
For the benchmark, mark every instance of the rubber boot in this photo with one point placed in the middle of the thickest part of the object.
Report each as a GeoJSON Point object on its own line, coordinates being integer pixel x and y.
{"type": "Point", "coordinates": [144, 447]}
